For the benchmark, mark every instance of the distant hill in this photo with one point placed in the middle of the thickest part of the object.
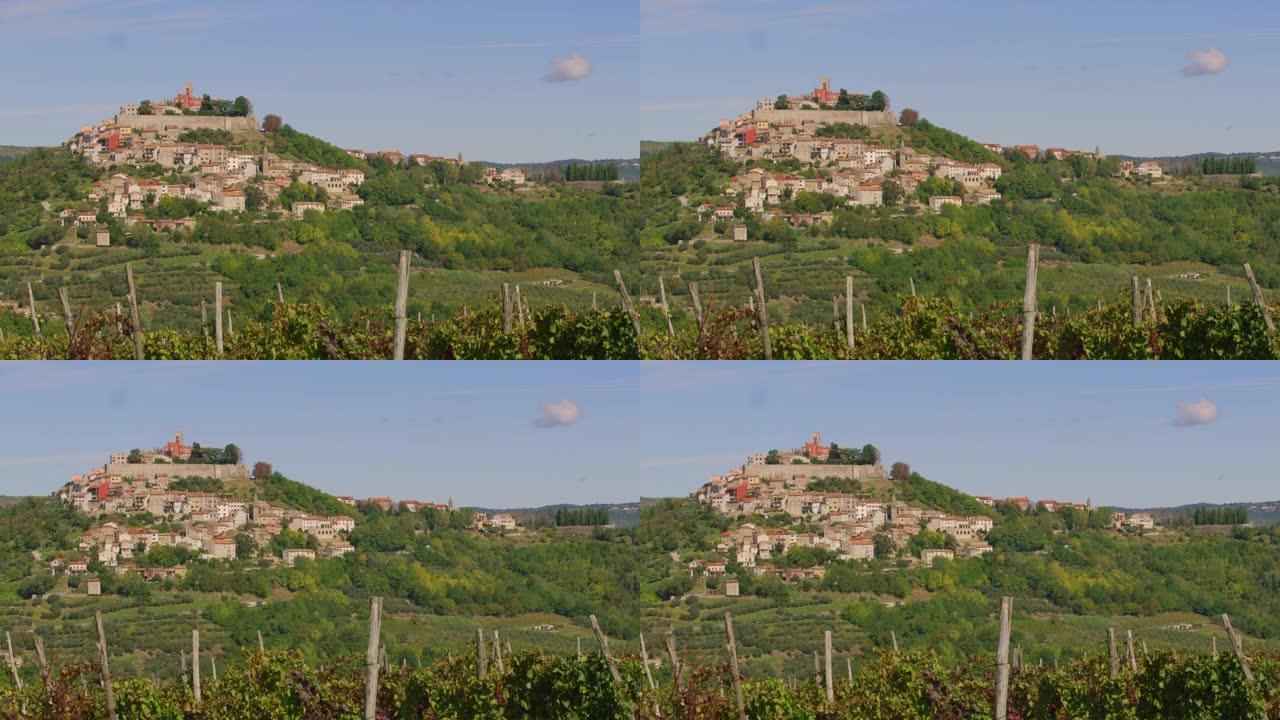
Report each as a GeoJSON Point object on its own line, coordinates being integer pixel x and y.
{"type": "Point", "coordinates": [1260, 513]}
{"type": "Point", "coordinates": [623, 515]}
{"type": "Point", "coordinates": [1268, 162]}
{"type": "Point", "coordinates": [628, 169]}
{"type": "Point", "coordinates": [10, 500]}
{"type": "Point", "coordinates": [648, 147]}
{"type": "Point", "coordinates": [8, 152]}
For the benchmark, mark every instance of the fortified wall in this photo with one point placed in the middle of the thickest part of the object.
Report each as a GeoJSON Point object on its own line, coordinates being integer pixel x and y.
{"type": "Point", "coordinates": [186, 122]}
{"type": "Point", "coordinates": [149, 471]}
{"type": "Point", "coordinates": [807, 471]}
{"type": "Point", "coordinates": [853, 117]}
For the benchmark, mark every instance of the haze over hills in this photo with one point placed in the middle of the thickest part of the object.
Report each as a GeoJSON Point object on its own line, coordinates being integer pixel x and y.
{"type": "Point", "coordinates": [1268, 161]}
{"type": "Point", "coordinates": [8, 152]}
{"type": "Point", "coordinates": [1259, 513]}
{"type": "Point", "coordinates": [623, 515]}
{"type": "Point", "coordinates": [628, 169]}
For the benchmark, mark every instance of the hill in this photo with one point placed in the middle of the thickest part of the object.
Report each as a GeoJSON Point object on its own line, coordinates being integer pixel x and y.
{"type": "Point", "coordinates": [972, 254]}
{"type": "Point", "coordinates": [628, 169]}
{"type": "Point", "coordinates": [1069, 574]}
{"type": "Point", "coordinates": [622, 515]}
{"type": "Point", "coordinates": [441, 581]}
{"type": "Point", "coordinates": [1268, 161]}
{"type": "Point", "coordinates": [10, 500]}
{"type": "Point", "coordinates": [649, 147]}
{"type": "Point", "coordinates": [1259, 513]}
{"type": "Point", "coordinates": [469, 237]}
{"type": "Point", "coordinates": [9, 152]}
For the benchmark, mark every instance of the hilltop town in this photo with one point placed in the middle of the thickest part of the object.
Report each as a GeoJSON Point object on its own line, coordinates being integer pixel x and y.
{"type": "Point", "coordinates": [154, 511]}
{"type": "Point", "coordinates": [171, 159]}
{"type": "Point", "coordinates": [852, 147]}
{"type": "Point", "coordinates": [842, 503]}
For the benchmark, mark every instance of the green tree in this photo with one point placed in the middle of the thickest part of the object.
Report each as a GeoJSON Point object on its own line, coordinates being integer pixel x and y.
{"type": "Point", "coordinates": [772, 458]}
{"type": "Point", "coordinates": [135, 456]}
{"type": "Point", "coordinates": [781, 103]}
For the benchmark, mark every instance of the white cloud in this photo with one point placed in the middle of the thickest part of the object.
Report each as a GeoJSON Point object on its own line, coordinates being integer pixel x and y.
{"type": "Point", "coordinates": [1208, 62]}
{"type": "Point", "coordinates": [574, 67]}
{"type": "Point", "coordinates": [1200, 412]}
{"type": "Point", "coordinates": [565, 412]}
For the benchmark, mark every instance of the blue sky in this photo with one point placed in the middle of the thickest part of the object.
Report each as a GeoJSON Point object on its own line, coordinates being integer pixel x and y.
{"type": "Point", "coordinates": [515, 434]}
{"type": "Point", "coordinates": [1074, 74]}
{"type": "Point", "coordinates": [431, 76]}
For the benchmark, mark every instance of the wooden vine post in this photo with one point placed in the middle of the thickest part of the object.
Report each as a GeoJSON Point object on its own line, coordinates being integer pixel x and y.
{"type": "Point", "coordinates": [44, 666]}
{"type": "Point", "coordinates": [912, 280]}
{"type": "Point", "coordinates": [35, 317]}
{"type": "Point", "coordinates": [217, 316]}
{"type": "Point", "coordinates": [733, 667]}
{"type": "Point", "coordinates": [1002, 659]}
{"type": "Point", "coordinates": [1114, 654]}
{"type": "Point", "coordinates": [497, 654]}
{"type": "Point", "coordinates": [1257, 298]}
{"type": "Point", "coordinates": [666, 310]}
{"type": "Point", "coordinates": [195, 664]}
{"type": "Point", "coordinates": [1029, 302]}
{"type": "Point", "coordinates": [372, 659]}
{"type": "Point", "coordinates": [1133, 657]}
{"type": "Point", "coordinates": [1151, 302]}
{"type": "Point", "coordinates": [626, 302]}
{"type": "Point", "coordinates": [506, 307]}
{"type": "Point", "coordinates": [644, 659]}
{"type": "Point", "coordinates": [133, 312]}
{"type": "Point", "coordinates": [697, 305]}
{"type": "Point", "coordinates": [105, 668]}
{"type": "Point", "coordinates": [893, 639]}
{"type": "Point", "coordinates": [482, 660]}
{"type": "Point", "coordinates": [1237, 647]}
{"type": "Point", "coordinates": [67, 317]}
{"type": "Point", "coordinates": [762, 311]}
{"type": "Point", "coordinates": [1137, 303]}
{"type": "Point", "coordinates": [675, 661]}
{"type": "Point", "coordinates": [261, 647]}
{"type": "Point", "coordinates": [848, 312]}
{"type": "Point", "coordinates": [826, 668]}
{"type": "Point", "coordinates": [604, 648]}
{"type": "Point", "coordinates": [13, 662]}
{"type": "Point", "coordinates": [402, 305]}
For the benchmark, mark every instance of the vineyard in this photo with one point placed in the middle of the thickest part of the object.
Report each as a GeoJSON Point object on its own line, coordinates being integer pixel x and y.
{"type": "Point", "coordinates": [532, 684]}
{"type": "Point", "coordinates": [923, 329]}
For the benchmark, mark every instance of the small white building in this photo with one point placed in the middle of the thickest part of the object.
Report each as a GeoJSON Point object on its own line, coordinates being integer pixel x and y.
{"type": "Point", "coordinates": [1150, 169]}
{"type": "Point", "coordinates": [937, 202]}
{"type": "Point", "coordinates": [928, 555]}
{"type": "Point", "coordinates": [291, 555]}
{"type": "Point", "coordinates": [300, 208]}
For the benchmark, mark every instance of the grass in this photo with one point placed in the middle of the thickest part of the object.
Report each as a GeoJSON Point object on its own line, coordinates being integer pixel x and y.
{"type": "Point", "coordinates": [776, 639]}
{"type": "Point", "coordinates": [172, 284]}
{"type": "Point", "coordinates": [147, 637]}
